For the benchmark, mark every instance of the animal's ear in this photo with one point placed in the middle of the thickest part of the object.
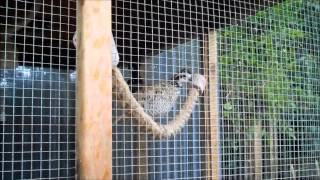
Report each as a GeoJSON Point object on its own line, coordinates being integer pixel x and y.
{"type": "Point", "coordinates": [186, 70]}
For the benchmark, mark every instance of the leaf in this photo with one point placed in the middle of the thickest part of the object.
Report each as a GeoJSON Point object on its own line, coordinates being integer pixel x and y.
{"type": "Point", "coordinates": [228, 106]}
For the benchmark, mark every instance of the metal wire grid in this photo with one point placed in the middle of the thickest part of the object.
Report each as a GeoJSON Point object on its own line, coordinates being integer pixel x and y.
{"type": "Point", "coordinates": [269, 76]}
{"type": "Point", "coordinates": [288, 148]}
{"type": "Point", "coordinates": [37, 92]}
{"type": "Point", "coordinates": [152, 51]}
{"type": "Point", "coordinates": [269, 89]}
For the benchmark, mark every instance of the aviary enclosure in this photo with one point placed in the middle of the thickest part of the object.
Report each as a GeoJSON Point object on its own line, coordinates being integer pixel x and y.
{"type": "Point", "coordinates": [191, 89]}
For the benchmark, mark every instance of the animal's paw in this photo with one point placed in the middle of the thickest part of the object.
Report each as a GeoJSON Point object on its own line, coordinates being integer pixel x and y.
{"type": "Point", "coordinates": [74, 39]}
{"type": "Point", "coordinates": [199, 81]}
{"type": "Point", "coordinates": [115, 54]}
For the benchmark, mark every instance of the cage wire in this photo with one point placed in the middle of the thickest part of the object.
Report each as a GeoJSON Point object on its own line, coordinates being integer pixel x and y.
{"type": "Point", "coordinates": [268, 90]}
{"type": "Point", "coordinates": [269, 79]}
{"type": "Point", "coordinates": [151, 54]}
{"type": "Point", "coordinates": [268, 70]}
{"type": "Point", "coordinates": [37, 89]}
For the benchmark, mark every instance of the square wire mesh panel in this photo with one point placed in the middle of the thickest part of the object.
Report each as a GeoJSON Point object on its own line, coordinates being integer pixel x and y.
{"type": "Point", "coordinates": [37, 89]}
{"type": "Point", "coordinates": [153, 50]}
{"type": "Point", "coordinates": [268, 70]}
{"type": "Point", "coordinates": [270, 104]}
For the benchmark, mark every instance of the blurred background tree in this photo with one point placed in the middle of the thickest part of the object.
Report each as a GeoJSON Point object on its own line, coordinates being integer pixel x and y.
{"type": "Point", "coordinates": [270, 78]}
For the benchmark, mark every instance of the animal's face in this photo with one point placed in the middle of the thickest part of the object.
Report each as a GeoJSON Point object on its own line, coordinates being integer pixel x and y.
{"type": "Point", "coordinates": [183, 77]}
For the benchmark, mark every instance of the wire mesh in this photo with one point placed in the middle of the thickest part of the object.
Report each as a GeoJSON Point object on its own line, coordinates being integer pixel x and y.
{"type": "Point", "coordinates": [37, 92]}
{"type": "Point", "coordinates": [154, 53]}
{"type": "Point", "coordinates": [268, 68]}
{"type": "Point", "coordinates": [268, 71]}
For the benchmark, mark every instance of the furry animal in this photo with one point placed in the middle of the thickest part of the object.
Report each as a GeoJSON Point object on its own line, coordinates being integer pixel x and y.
{"type": "Point", "coordinates": [137, 112]}
{"type": "Point", "coordinates": [156, 100]}
{"type": "Point", "coordinates": [160, 98]}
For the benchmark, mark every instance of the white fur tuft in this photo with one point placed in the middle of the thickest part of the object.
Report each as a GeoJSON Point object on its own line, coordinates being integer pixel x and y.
{"type": "Point", "coordinates": [199, 81]}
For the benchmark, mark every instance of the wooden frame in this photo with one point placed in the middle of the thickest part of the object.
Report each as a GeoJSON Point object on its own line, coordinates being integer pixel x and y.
{"type": "Point", "coordinates": [213, 93]}
{"type": "Point", "coordinates": [94, 93]}
{"type": "Point", "coordinates": [94, 103]}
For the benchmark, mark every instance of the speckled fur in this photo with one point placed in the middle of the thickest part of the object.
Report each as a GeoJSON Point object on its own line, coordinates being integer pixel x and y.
{"type": "Point", "coordinates": [135, 109]}
{"type": "Point", "coordinates": [159, 99]}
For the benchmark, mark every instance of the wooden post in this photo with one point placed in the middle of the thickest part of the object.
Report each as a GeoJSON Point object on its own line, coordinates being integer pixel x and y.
{"type": "Point", "coordinates": [207, 107]}
{"type": "Point", "coordinates": [258, 150]}
{"type": "Point", "coordinates": [94, 90]}
{"type": "Point", "coordinates": [214, 105]}
{"type": "Point", "coordinates": [273, 149]}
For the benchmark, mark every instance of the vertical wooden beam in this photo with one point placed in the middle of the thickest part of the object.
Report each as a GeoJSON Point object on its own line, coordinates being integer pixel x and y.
{"type": "Point", "coordinates": [273, 149]}
{"type": "Point", "coordinates": [258, 150]}
{"type": "Point", "coordinates": [207, 107]}
{"type": "Point", "coordinates": [94, 90]}
{"type": "Point", "coordinates": [214, 105]}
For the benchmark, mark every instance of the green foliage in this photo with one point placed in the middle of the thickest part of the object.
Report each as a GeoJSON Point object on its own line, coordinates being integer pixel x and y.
{"type": "Point", "coordinates": [269, 68]}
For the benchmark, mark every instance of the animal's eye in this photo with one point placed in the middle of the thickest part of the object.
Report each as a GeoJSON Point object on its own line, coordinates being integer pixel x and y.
{"type": "Point", "coordinates": [177, 77]}
{"type": "Point", "coordinates": [182, 75]}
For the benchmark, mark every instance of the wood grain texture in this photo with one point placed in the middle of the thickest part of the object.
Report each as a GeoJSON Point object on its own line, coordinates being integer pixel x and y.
{"type": "Point", "coordinates": [258, 150]}
{"type": "Point", "coordinates": [94, 90]}
{"type": "Point", "coordinates": [207, 107]}
{"type": "Point", "coordinates": [214, 105]}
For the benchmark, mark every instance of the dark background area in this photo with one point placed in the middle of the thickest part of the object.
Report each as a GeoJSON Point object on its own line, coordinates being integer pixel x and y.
{"type": "Point", "coordinates": [139, 27]}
